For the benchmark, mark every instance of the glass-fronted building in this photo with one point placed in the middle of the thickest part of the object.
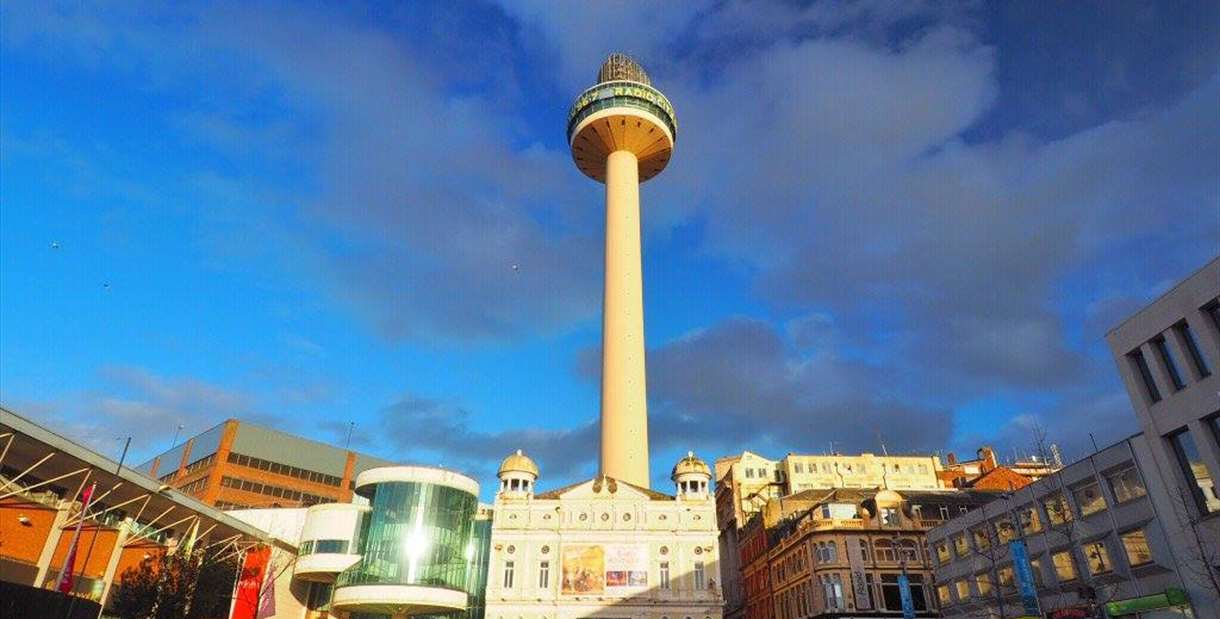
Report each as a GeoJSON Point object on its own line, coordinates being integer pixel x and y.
{"type": "Point", "coordinates": [418, 547]}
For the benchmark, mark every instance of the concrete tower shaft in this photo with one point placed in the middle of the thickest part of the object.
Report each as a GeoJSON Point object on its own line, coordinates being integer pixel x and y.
{"type": "Point", "coordinates": [622, 133]}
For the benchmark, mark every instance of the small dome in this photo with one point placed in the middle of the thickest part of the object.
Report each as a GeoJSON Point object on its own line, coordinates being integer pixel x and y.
{"type": "Point", "coordinates": [518, 463]}
{"type": "Point", "coordinates": [690, 463]}
{"type": "Point", "coordinates": [622, 67]}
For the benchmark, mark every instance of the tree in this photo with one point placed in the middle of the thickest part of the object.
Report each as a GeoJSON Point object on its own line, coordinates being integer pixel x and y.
{"type": "Point", "coordinates": [177, 586]}
{"type": "Point", "coordinates": [1202, 560]}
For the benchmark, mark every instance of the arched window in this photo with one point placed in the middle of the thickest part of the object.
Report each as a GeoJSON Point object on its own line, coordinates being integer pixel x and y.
{"type": "Point", "coordinates": [866, 550]}
{"type": "Point", "coordinates": [908, 550]}
{"type": "Point", "coordinates": [832, 551]}
{"type": "Point", "coordinates": [885, 550]}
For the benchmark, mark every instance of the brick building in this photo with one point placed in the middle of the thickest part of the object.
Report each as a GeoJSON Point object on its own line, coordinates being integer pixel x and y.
{"type": "Point", "coordinates": [240, 465]}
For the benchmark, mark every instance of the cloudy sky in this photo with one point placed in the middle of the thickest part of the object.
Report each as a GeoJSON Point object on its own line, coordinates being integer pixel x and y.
{"type": "Point", "coordinates": [884, 222]}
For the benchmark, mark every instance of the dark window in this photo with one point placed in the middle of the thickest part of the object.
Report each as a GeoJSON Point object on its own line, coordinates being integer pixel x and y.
{"type": "Point", "coordinates": [1213, 311]}
{"type": "Point", "coordinates": [1192, 348]}
{"type": "Point", "coordinates": [1171, 366]}
{"type": "Point", "coordinates": [1198, 479]}
{"type": "Point", "coordinates": [1141, 365]}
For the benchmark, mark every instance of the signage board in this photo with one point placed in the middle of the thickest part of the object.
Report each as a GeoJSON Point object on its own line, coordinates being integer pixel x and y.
{"type": "Point", "coordinates": [595, 569]}
{"type": "Point", "coordinates": [904, 591]}
{"type": "Point", "coordinates": [1025, 577]}
{"type": "Point", "coordinates": [1170, 598]}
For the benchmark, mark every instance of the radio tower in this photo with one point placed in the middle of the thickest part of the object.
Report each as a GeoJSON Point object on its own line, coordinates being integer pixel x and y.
{"type": "Point", "coordinates": [622, 133]}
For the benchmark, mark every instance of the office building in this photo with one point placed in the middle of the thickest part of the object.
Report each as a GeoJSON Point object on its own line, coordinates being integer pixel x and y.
{"type": "Point", "coordinates": [1094, 537]}
{"type": "Point", "coordinates": [1168, 355]}
{"type": "Point", "coordinates": [240, 465]}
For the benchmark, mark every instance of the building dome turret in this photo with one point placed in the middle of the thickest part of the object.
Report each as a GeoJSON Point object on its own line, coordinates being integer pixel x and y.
{"type": "Point", "coordinates": [517, 475]}
{"type": "Point", "coordinates": [691, 476]}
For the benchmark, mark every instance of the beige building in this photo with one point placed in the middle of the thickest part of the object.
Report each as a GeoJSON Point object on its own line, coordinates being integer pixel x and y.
{"type": "Point", "coordinates": [748, 483]}
{"type": "Point", "coordinates": [604, 547]}
{"type": "Point", "coordinates": [836, 552]}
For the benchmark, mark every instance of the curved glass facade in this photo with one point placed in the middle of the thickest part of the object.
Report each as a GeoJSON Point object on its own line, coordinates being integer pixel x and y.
{"type": "Point", "coordinates": [623, 94]}
{"type": "Point", "coordinates": [415, 534]}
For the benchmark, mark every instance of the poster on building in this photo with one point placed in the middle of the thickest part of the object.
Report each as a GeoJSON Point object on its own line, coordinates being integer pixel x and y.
{"type": "Point", "coordinates": [626, 566]}
{"type": "Point", "coordinates": [855, 559]}
{"type": "Point", "coordinates": [1025, 577]}
{"type": "Point", "coordinates": [584, 569]}
{"type": "Point", "coordinates": [250, 583]}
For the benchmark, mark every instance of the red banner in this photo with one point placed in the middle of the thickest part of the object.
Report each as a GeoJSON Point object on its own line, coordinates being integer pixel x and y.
{"type": "Point", "coordinates": [66, 577]}
{"type": "Point", "coordinates": [253, 574]}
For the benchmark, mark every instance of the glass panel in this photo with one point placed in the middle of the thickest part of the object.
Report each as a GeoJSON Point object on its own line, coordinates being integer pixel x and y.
{"type": "Point", "coordinates": [1198, 478]}
{"type": "Point", "coordinates": [1057, 509]}
{"type": "Point", "coordinates": [1135, 545]}
{"type": "Point", "coordinates": [1065, 567]}
{"type": "Point", "coordinates": [1136, 357]}
{"type": "Point", "coordinates": [1088, 498]}
{"type": "Point", "coordinates": [1004, 530]}
{"type": "Point", "coordinates": [983, 583]}
{"type": "Point", "coordinates": [1126, 485]}
{"type": "Point", "coordinates": [1192, 348]}
{"type": "Point", "coordinates": [1097, 557]}
{"type": "Point", "coordinates": [1031, 520]}
{"type": "Point", "coordinates": [416, 534]}
{"type": "Point", "coordinates": [1171, 366]}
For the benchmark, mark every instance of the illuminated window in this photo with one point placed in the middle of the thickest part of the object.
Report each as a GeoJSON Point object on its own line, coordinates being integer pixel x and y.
{"type": "Point", "coordinates": [963, 589]}
{"type": "Point", "coordinates": [982, 582]}
{"type": "Point", "coordinates": [1135, 545]}
{"type": "Point", "coordinates": [982, 540]}
{"type": "Point", "coordinates": [942, 552]}
{"type": "Point", "coordinates": [1097, 557]}
{"type": "Point", "coordinates": [1007, 578]}
{"type": "Point", "coordinates": [1004, 530]}
{"type": "Point", "coordinates": [942, 594]}
{"type": "Point", "coordinates": [1057, 509]}
{"type": "Point", "coordinates": [1088, 498]}
{"type": "Point", "coordinates": [1065, 566]}
{"type": "Point", "coordinates": [960, 545]}
{"type": "Point", "coordinates": [1126, 485]}
{"type": "Point", "coordinates": [1194, 470]}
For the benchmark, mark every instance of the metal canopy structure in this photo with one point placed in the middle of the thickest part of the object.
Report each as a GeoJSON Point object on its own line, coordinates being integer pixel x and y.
{"type": "Point", "coordinates": [38, 460]}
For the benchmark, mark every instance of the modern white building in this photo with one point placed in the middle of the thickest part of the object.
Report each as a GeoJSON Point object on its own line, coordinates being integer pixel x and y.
{"type": "Point", "coordinates": [1168, 355]}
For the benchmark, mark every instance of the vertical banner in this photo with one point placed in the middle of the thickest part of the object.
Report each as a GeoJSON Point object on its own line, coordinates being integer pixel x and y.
{"type": "Point", "coordinates": [65, 575]}
{"type": "Point", "coordinates": [859, 586]}
{"type": "Point", "coordinates": [250, 584]}
{"type": "Point", "coordinates": [904, 590]}
{"type": "Point", "coordinates": [1025, 577]}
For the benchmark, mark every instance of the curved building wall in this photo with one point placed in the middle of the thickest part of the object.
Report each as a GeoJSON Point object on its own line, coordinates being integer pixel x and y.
{"type": "Point", "coordinates": [419, 530]}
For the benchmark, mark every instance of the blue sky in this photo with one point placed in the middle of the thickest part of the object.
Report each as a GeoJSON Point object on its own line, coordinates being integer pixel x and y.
{"type": "Point", "coordinates": [910, 223]}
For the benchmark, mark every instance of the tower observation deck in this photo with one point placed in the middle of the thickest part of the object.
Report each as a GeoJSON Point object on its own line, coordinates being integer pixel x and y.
{"type": "Point", "coordinates": [622, 133]}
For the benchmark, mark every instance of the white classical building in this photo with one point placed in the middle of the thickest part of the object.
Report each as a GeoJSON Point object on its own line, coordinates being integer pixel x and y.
{"type": "Point", "coordinates": [604, 548]}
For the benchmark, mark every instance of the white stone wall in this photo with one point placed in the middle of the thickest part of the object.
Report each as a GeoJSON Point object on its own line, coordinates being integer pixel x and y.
{"type": "Point", "coordinates": [529, 531]}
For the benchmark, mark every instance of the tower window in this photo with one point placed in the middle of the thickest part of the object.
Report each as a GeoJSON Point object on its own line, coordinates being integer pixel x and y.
{"type": "Point", "coordinates": [1136, 357]}
{"type": "Point", "coordinates": [665, 575]}
{"type": "Point", "coordinates": [508, 574]}
{"type": "Point", "coordinates": [1171, 366]}
{"type": "Point", "coordinates": [700, 577]}
{"type": "Point", "coordinates": [1192, 348]}
{"type": "Point", "coordinates": [544, 575]}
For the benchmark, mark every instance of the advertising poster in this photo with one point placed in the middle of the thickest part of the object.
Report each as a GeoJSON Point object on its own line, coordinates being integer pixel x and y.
{"type": "Point", "coordinates": [859, 585]}
{"type": "Point", "coordinates": [1025, 577]}
{"type": "Point", "coordinates": [249, 586]}
{"type": "Point", "coordinates": [626, 566]}
{"type": "Point", "coordinates": [584, 569]}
